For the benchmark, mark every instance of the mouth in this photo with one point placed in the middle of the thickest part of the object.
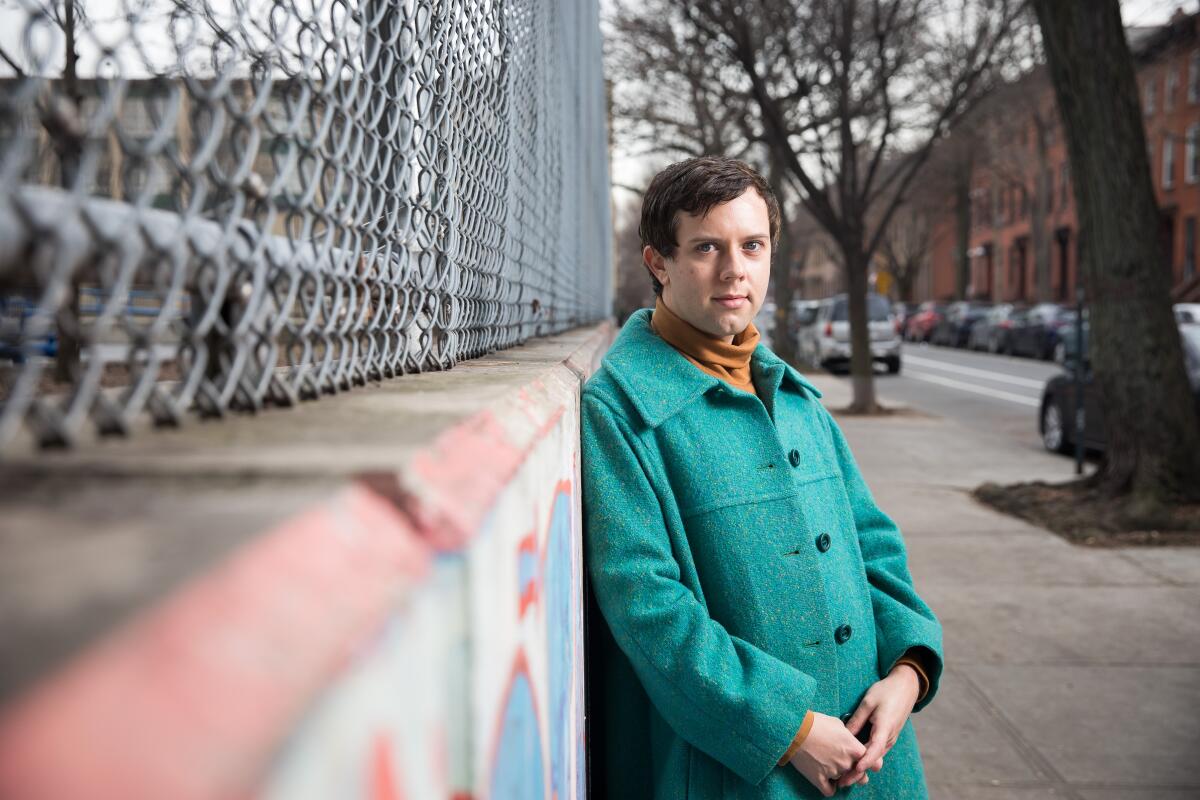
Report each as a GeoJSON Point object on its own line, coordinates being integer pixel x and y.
{"type": "Point", "coordinates": [732, 300]}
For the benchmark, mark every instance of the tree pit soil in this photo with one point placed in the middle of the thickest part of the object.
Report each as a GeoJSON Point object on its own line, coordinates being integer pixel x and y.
{"type": "Point", "coordinates": [1085, 516]}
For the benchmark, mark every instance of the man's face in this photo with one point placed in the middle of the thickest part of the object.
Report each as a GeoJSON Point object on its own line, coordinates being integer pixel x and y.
{"type": "Point", "coordinates": [718, 278]}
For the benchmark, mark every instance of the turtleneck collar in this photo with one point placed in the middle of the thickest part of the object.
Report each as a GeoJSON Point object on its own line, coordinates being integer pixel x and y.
{"type": "Point", "coordinates": [728, 361]}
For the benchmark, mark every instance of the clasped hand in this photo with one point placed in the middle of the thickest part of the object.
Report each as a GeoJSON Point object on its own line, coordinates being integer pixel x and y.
{"type": "Point", "coordinates": [831, 749]}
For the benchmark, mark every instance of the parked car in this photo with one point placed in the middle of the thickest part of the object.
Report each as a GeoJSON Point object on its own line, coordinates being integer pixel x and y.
{"type": "Point", "coordinates": [1187, 312]}
{"type": "Point", "coordinates": [15, 342]}
{"type": "Point", "coordinates": [990, 333]}
{"type": "Point", "coordinates": [902, 312]}
{"type": "Point", "coordinates": [922, 323]}
{"type": "Point", "coordinates": [1056, 413]}
{"type": "Point", "coordinates": [1036, 333]}
{"type": "Point", "coordinates": [764, 321]}
{"type": "Point", "coordinates": [832, 333]}
{"type": "Point", "coordinates": [954, 329]}
{"type": "Point", "coordinates": [1065, 350]}
{"type": "Point", "coordinates": [800, 322]}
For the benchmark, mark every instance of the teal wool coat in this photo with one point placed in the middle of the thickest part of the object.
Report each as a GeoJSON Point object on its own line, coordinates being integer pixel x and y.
{"type": "Point", "coordinates": [743, 574]}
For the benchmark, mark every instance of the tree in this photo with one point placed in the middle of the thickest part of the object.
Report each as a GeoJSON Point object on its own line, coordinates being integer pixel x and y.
{"type": "Point", "coordinates": [670, 99]}
{"type": "Point", "coordinates": [841, 88]}
{"type": "Point", "coordinates": [1153, 441]}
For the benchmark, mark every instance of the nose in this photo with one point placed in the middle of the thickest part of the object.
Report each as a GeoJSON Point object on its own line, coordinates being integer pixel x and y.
{"type": "Point", "coordinates": [733, 264]}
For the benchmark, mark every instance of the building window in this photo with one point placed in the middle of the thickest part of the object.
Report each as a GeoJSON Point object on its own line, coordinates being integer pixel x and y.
{"type": "Point", "coordinates": [1189, 247]}
{"type": "Point", "coordinates": [1148, 97]}
{"type": "Point", "coordinates": [1168, 163]}
{"type": "Point", "coordinates": [1191, 158]}
{"type": "Point", "coordinates": [1194, 77]}
{"type": "Point", "coordinates": [1169, 88]}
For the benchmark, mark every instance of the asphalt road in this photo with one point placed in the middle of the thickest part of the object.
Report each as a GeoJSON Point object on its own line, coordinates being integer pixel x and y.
{"type": "Point", "coordinates": [997, 394]}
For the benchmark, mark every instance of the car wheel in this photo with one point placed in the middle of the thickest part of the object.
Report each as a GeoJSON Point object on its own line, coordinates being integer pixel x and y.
{"type": "Point", "coordinates": [1054, 431]}
{"type": "Point", "coordinates": [893, 366]}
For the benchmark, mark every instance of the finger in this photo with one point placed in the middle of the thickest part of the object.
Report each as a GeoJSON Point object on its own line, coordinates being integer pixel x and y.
{"type": "Point", "coordinates": [864, 780]}
{"type": "Point", "coordinates": [859, 717]}
{"type": "Point", "coordinates": [851, 778]}
{"type": "Point", "coordinates": [825, 786]}
{"type": "Point", "coordinates": [876, 747]}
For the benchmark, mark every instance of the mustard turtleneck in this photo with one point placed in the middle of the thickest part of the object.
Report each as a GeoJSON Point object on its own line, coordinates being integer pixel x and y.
{"type": "Point", "coordinates": [728, 361]}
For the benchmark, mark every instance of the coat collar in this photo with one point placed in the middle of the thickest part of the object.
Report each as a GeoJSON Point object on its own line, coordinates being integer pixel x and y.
{"type": "Point", "coordinates": [659, 381]}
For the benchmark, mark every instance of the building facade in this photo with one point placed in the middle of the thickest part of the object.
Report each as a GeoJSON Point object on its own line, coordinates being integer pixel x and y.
{"type": "Point", "coordinates": [1024, 236]}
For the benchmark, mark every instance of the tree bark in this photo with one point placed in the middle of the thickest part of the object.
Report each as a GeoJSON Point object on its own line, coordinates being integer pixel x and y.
{"type": "Point", "coordinates": [962, 225]}
{"type": "Point", "coordinates": [862, 372]}
{"type": "Point", "coordinates": [1153, 441]}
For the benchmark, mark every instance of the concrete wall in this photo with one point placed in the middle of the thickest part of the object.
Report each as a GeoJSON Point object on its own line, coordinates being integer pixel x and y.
{"type": "Point", "coordinates": [392, 608]}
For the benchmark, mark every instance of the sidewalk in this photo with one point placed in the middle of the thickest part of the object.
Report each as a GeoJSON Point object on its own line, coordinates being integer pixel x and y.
{"type": "Point", "coordinates": [1070, 672]}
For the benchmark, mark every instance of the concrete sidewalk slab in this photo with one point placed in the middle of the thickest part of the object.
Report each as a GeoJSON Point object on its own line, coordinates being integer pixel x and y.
{"type": "Point", "coordinates": [1001, 559]}
{"type": "Point", "coordinates": [1079, 718]}
{"type": "Point", "coordinates": [1071, 672]}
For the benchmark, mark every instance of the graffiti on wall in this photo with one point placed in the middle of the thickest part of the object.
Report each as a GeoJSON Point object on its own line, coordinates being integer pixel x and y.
{"type": "Point", "coordinates": [548, 583]}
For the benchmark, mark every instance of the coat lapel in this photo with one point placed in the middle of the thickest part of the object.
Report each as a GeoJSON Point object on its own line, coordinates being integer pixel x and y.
{"type": "Point", "coordinates": [658, 381]}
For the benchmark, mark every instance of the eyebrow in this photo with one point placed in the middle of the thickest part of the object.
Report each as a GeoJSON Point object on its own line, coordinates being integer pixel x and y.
{"type": "Point", "coordinates": [695, 239]}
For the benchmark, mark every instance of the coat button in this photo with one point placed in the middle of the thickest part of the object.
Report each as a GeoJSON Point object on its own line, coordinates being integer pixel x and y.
{"type": "Point", "coordinates": [794, 457]}
{"type": "Point", "coordinates": [842, 634]}
{"type": "Point", "coordinates": [823, 542]}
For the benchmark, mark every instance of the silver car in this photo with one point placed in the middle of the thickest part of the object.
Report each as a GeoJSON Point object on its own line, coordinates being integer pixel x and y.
{"type": "Point", "coordinates": [832, 332]}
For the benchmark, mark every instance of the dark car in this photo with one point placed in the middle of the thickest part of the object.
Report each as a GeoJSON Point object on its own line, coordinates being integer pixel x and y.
{"type": "Point", "coordinates": [16, 344]}
{"type": "Point", "coordinates": [921, 324]}
{"type": "Point", "coordinates": [903, 312]}
{"type": "Point", "coordinates": [954, 329]}
{"type": "Point", "coordinates": [991, 331]}
{"type": "Point", "coordinates": [1036, 333]}
{"type": "Point", "coordinates": [1057, 411]}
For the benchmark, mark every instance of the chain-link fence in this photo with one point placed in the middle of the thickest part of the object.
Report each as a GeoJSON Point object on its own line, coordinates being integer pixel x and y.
{"type": "Point", "coordinates": [212, 205]}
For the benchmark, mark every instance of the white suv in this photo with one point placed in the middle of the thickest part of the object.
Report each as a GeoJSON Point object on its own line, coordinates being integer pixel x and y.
{"type": "Point", "coordinates": [832, 332]}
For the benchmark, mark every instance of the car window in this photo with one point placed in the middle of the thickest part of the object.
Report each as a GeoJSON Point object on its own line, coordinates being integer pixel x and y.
{"type": "Point", "coordinates": [877, 308]}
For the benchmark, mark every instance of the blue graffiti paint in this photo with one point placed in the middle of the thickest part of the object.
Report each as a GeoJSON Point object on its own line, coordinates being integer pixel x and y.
{"type": "Point", "coordinates": [560, 641]}
{"type": "Point", "coordinates": [517, 772]}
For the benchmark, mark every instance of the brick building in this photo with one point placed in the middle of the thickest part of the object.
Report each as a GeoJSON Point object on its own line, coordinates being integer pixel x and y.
{"type": "Point", "coordinates": [1022, 212]}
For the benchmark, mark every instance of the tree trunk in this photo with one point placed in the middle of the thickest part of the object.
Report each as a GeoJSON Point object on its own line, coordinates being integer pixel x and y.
{"type": "Point", "coordinates": [1153, 441]}
{"type": "Point", "coordinates": [1039, 214]}
{"type": "Point", "coordinates": [781, 342]}
{"type": "Point", "coordinates": [962, 226]}
{"type": "Point", "coordinates": [862, 372]}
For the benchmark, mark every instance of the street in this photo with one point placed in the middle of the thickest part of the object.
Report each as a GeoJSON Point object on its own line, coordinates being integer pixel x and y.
{"type": "Point", "coordinates": [1070, 672]}
{"type": "Point", "coordinates": [993, 394]}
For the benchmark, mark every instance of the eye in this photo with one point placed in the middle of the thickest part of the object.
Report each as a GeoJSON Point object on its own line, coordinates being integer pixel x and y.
{"type": "Point", "coordinates": [703, 245]}
{"type": "Point", "coordinates": [757, 244]}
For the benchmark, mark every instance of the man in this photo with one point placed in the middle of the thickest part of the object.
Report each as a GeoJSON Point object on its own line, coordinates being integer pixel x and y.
{"type": "Point", "coordinates": [760, 634]}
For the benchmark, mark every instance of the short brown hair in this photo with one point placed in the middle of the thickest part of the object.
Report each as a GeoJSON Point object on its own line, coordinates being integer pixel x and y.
{"type": "Point", "coordinates": [694, 186]}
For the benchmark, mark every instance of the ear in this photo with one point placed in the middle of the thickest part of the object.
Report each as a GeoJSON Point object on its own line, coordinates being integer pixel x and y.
{"type": "Point", "coordinates": [656, 263]}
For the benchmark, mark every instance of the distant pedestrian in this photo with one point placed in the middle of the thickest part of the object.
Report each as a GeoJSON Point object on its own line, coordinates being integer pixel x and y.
{"type": "Point", "coordinates": [759, 618]}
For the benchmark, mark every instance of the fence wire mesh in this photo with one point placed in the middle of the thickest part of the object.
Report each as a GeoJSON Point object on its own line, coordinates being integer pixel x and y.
{"type": "Point", "coordinates": [212, 205]}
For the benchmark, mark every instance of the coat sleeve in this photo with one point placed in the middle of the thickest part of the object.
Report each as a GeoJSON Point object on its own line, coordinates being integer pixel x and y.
{"type": "Point", "coordinates": [902, 618]}
{"type": "Point", "coordinates": [720, 693]}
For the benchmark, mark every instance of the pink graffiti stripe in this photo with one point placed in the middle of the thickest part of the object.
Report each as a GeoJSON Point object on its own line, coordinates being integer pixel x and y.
{"type": "Point", "coordinates": [190, 700]}
{"type": "Point", "coordinates": [528, 577]}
